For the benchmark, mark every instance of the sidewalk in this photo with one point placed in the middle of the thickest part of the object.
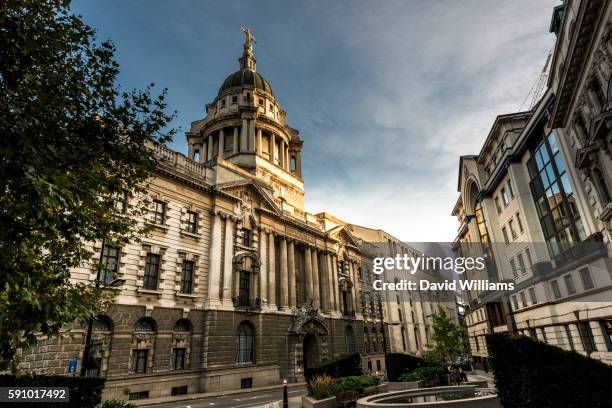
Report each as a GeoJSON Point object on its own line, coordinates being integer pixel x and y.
{"type": "Point", "coordinates": [190, 397]}
{"type": "Point", "coordinates": [480, 375]}
{"type": "Point", "coordinates": [295, 402]}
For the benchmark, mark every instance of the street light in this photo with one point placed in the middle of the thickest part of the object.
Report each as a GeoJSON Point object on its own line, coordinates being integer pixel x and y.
{"type": "Point", "coordinates": [113, 284]}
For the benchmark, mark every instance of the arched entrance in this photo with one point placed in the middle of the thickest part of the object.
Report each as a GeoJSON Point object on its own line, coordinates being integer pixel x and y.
{"type": "Point", "coordinates": [310, 350]}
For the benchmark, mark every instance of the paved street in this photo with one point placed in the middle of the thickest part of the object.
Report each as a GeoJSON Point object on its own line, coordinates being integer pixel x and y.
{"type": "Point", "coordinates": [242, 400]}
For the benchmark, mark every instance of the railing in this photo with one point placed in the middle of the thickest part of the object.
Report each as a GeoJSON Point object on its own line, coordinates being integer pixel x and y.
{"type": "Point", "coordinates": [246, 302]}
{"type": "Point", "coordinates": [179, 161]}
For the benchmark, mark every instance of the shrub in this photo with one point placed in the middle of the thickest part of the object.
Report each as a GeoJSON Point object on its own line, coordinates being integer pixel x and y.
{"type": "Point", "coordinates": [116, 404]}
{"type": "Point", "coordinates": [398, 363]}
{"type": "Point", "coordinates": [343, 366]}
{"type": "Point", "coordinates": [84, 392]}
{"type": "Point", "coordinates": [320, 387]}
{"type": "Point", "coordinates": [534, 374]}
{"type": "Point", "coordinates": [354, 383]}
{"type": "Point", "coordinates": [423, 373]}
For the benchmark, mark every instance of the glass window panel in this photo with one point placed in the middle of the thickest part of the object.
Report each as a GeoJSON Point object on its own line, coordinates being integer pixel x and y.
{"type": "Point", "coordinates": [538, 158]}
{"type": "Point", "coordinates": [550, 173]}
{"type": "Point", "coordinates": [559, 163]}
{"type": "Point", "coordinates": [552, 140]}
{"type": "Point", "coordinates": [544, 153]}
{"type": "Point", "coordinates": [566, 184]}
{"type": "Point", "coordinates": [544, 178]}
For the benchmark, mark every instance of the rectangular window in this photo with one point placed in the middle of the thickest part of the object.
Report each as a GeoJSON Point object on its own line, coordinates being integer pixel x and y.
{"type": "Point", "coordinates": [178, 358]}
{"type": "Point", "coordinates": [543, 334]}
{"type": "Point", "coordinates": [521, 264]}
{"type": "Point", "coordinates": [570, 340]}
{"type": "Point", "coordinates": [187, 277]}
{"type": "Point", "coordinates": [181, 390]}
{"type": "Point", "coordinates": [515, 302]}
{"type": "Point", "coordinates": [151, 273]}
{"type": "Point", "coordinates": [246, 382]}
{"type": "Point", "coordinates": [520, 223]}
{"type": "Point", "coordinates": [586, 335]}
{"type": "Point", "coordinates": [159, 212]}
{"type": "Point", "coordinates": [192, 222]}
{"type": "Point", "coordinates": [497, 206]}
{"type": "Point", "coordinates": [532, 296]}
{"type": "Point", "coordinates": [523, 299]}
{"type": "Point", "coordinates": [121, 202]}
{"type": "Point", "coordinates": [234, 100]}
{"type": "Point", "coordinates": [606, 329]}
{"type": "Point", "coordinates": [587, 280]}
{"type": "Point", "coordinates": [569, 284]}
{"type": "Point", "coordinates": [512, 230]}
{"type": "Point", "coordinates": [378, 365]}
{"type": "Point", "coordinates": [505, 233]}
{"type": "Point", "coordinates": [138, 395]}
{"type": "Point", "coordinates": [504, 196]}
{"type": "Point", "coordinates": [553, 196]}
{"type": "Point", "coordinates": [110, 264]}
{"type": "Point", "coordinates": [510, 189]}
{"type": "Point", "coordinates": [529, 258]}
{"type": "Point", "coordinates": [140, 360]}
{"type": "Point", "coordinates": [513, 268]}
{"type": "Point", "coordinates": [244, 288]}
{"type": "Point", "coordinates": [555, 288]}
{"type": "Point", "coordinates": [246, 237]}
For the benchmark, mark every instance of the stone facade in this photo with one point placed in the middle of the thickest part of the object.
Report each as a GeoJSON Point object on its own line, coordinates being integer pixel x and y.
{"type": "Point", "coordinates": [536, 200]}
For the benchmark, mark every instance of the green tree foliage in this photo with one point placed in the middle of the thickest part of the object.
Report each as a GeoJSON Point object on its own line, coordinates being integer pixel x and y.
{"type": "Point", "coordinates": [450, 339]}
{"type": "Point", "coordinates": [71, 142]}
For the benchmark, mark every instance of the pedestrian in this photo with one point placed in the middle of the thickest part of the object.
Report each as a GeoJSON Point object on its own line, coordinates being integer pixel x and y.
{"type": "Point", "coordinates": [485, 365]}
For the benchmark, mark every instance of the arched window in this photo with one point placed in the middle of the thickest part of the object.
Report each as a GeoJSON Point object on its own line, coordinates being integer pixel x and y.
{"type": "Point", "coordinates": [182, 325]}
{"type": "Point", "coordinates": [145, 324]}
{"type": "Point", "coordinates": [245, 349]}
{"type": "Point", "coordinates": [374, 340]}
{"type": "Point", "coordinates": [366, 339]}
{"type": "Point", "coordinates": [102, 324]}
{"type": "Point", "coordinates": [349, 340]}
{"type": "Point", "coordinates": [404, 338]}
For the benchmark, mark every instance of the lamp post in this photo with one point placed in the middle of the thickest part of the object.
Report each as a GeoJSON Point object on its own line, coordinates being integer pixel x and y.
{"type": "Point", "coordinates": [115, 283]}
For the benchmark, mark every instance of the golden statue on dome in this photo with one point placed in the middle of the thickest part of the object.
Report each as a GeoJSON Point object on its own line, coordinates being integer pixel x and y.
{"type": "Point", "coordinates": [249, 39]}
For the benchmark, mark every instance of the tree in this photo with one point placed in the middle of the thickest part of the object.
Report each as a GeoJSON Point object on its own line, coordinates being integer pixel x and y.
{"type": "Point", "coordinates": [72, 143]}
{"type": "Point", "coordinates": [450, 339]}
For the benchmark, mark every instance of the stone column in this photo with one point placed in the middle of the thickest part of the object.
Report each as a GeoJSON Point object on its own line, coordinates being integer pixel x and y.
{"type": "Point", "coordinates": [356, 302]}
{"type": "Point", "coordinates": [221, 143]}
{"type": "Point", "coordinates": [243, 135]}
{"type": "Point", "coordinates": [287, 163]}
{"type": "Point", "coordinates": [227, 260]}
{"type": "Point", "coordinates": [252, 135]}
{"type": "Point", "coordinates": [284, 277]}
{"type": "Point", "coordinates": [308, 274]}
{"type": "Point", "coordinates": [281, 153]}
{"type": "Point", "coordinates": [259, 143]}
{"type": "Point", "coordinates": [263, 268]}
{"type": "Point", "coordinates": [209, 151]}
{"type": "Point", "coordinates": [273, 147]}
{"type": "Point", "coordinates": [292, 280]}
{"type": "Point", "coordinates": [235, 147]}
{"type": "Point", "coordinates": [336, 288]}
{"type": "Point", "coordinates": [331, 283]}
{"type": "Point", "coordinates": [214, 259]}
{"type": "Point", "coordinates": [271, 270]}
{"type": "Point", "coordinates": [316, 289]}
{"type": "Point", "coordinates": [324, 281]}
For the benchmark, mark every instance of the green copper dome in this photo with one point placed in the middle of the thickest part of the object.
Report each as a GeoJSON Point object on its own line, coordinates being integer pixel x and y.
{"type": "Point", "coordinates": [248, 78]}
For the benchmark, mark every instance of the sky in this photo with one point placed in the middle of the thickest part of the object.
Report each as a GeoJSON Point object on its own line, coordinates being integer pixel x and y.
{"type": "Point", "coordinates": [386, 94]}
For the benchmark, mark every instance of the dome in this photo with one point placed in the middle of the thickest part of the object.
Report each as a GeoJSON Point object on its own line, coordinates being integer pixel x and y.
{"type": "Point", "coordinates": [248, 78]}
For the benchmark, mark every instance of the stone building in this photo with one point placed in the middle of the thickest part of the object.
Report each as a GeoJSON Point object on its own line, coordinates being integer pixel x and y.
{"type": "Point", "coordinates": [536, 200]}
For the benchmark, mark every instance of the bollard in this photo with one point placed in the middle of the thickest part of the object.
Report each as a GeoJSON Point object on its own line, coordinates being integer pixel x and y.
{"type": "Point", "coordinates": [285, 395]}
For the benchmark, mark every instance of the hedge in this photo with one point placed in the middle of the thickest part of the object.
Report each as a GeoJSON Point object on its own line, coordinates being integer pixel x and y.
{"type": "Point", "coordinates": [424, 373]}
{"type": "Point", "coordinates": [84, 392]}
{"type": "Point", "coordinates": [354, 383]}
{"type": "Point", "coordinates": [344, 366]}
{"type": "Point", "coordinates": [399, 363]}
{"type": "Point", "coordinates": [534, 374]}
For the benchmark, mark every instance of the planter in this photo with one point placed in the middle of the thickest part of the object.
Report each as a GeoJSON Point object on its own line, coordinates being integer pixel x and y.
{"type": "Point", "coordinates": [308, 402]}
{"type": "Point", "coordinates": [404, 385]}
{"type": "Point", "coordinates": [383, 387]}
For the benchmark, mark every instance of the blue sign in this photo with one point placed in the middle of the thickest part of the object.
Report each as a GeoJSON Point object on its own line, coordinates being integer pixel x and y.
{"type": "Point", "coordinates": [72, 365]}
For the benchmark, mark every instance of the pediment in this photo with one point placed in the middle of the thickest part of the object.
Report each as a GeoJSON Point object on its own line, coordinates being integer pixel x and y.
{"type": "Point", "coordinates": [251, 194]}
{"type": "Point", "coordinates": [343, 236]}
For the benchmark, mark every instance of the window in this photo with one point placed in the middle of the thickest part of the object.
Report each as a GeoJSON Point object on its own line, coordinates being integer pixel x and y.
{"type": "Point", "coordinates": [506, 240]}
{"type": "Point", "coordinates": [196, 155]}
{"type": "Point", "coordinates": [140, 361]}
{"type": "Point", "coordinates": [245, 351]}
{"type": "Point", "coordinates": [497, 206]}
{"type": "Point", "coordinates": [602, 184]}
{"type": "Point", "coordinates": [178, 358]}
{"type": "Point", "coordinates": [529, 258]}
{"type": "Point", "coordinates": [512, 230]}
{"type": "Point", "coordinates": [234, 100]}
{"type": "Point", "coordinates": [244, 288]}
{"type": "Point", "coordinates": [543, 334]}
{"type": "Point", "coordinates": [144, 325]}
{"type": "Point", "coordinates": [587, 280]}
{"type": "Point", "coordinates": [187, 277]}
{"type": "Point", "coordinates": [553, 196]}
{"type": "Point", "coordinates": [586, 336]}
{"type": "Point", "coordinates": [159, 212]}
{"type": "Point", "coordinates": [223, 103]}
{"type": "Point", "coordinates": [477, 343]}
{"type": "Point", "coordinates": [246, 237]}
{"type": "Point", "coordinates": [139, 395]}
{"type": "Point", "coordinates": [555, 288]}
{"type": "Point", "coordinates": [568, 333]}
{"type": "Point", "coordinates": [523, 299]}
{"type": "Point", "coordinates": [515, 302]}
{"type": "Point", "coordinates": [532, 296]}
{"type": "Point", "coordinates": [520, 223]}
{"type": "Point", "coordinates": [110, 264]}
{"type": "Point", "coordinates": [404, 339]}
{"type": "Point", "coordinates": [192, 222]}
{"type": "Point", "coordinates": [521, 264]}
{"type": "Point", "coordinates": [246, 382]}
{"type": "Point", "coordinates": [151, 273]}
{"type": "Point", "coordinates": [504, 196]}
{"type": "Point", "coordinates": [510, 189]}
{"type": "Point", "coordinates": [606, 329]}
{"type": "Point", "coordinates": [513, 268]}
{"type": "Point", "coordinates": [121, 202]}
{"type": "Point", "coordinates": [180, 390]}
{"type": "Point", "coordinates": [182, 326]}
{"type": "Point", "coordinates": [569, 284]}
{"type": "Point", "coordinates": [378, 365]}
{"type": "Point", "coordinates": [349, 339]}
{"type": "Point", "coordinates": [261, 102]}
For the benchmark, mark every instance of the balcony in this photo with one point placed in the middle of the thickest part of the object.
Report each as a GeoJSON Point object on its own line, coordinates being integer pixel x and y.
{"type": "Point", "coordinates": [244, 302]}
